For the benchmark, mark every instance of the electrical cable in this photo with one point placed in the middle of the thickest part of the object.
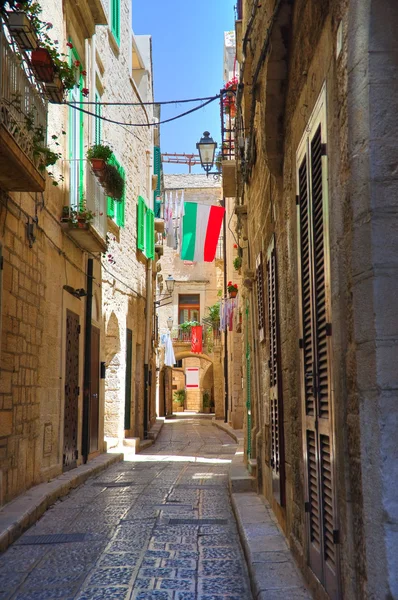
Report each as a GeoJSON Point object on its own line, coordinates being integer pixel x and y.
{"type": "Point", "coordinates": [142, 103]}
{"type": "Point", "coordinates": [87, 112]}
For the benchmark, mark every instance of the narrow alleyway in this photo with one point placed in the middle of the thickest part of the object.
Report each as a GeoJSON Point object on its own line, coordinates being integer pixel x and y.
{"type": "Point", "coordinates": [134, 529]}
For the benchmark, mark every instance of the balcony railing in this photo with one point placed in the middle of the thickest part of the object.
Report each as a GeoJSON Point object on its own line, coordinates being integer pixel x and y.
{"type": "Point", "coordinates": [210, 333]}
{"type": "Point", "coordinates": [22, 111]}
{"type": "Point", "coordinates": [181, 335]}
{"type": "Point", "coordinates": [96, 201]}
{"type": "Point", "coordinates": [86, 224]}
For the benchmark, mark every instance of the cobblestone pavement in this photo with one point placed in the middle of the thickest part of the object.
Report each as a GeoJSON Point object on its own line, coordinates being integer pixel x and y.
{"type": "Point", "coordinates": [168, 533]}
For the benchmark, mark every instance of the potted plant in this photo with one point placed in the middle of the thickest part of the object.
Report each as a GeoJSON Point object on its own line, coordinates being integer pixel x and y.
{"type": "Point", "coordinates": [42, 65]}
{"type": "Point", "coordinates": [237, 262]}
{"type": "Point", "coordinates": [178, 400]}
{"type": "Point", "coordinates": [113, 182]}
{"type": "Point", "coordinates": [99, 155]}
{"type": "Point", "coordinates": [79, 219]}
{"type": "Point", "coordinates": [232, 289]}
{"type": "Point", "coordinates": [206, 402]}
{"type": "Point", "coordinates": [22, 29]}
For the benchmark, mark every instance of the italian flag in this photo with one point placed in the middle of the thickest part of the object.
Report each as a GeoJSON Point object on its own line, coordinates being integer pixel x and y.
{"type": "Point", "coordinates": [200, 231]}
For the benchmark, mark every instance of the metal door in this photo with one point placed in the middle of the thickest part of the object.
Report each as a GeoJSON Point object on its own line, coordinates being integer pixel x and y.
{"type": "Point", "coordinates": [70, 453]}
{"type": "Point", "coordinates": [94, 388]}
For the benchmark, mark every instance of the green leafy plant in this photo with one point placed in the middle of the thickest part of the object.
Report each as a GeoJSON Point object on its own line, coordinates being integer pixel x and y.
{"type": "Point", "coordinates": [214, 313]}
{"type": "Point", "coordinates": [206, 399]}
{"type": "Point", "coordinates": [188, 324]}
{"type": "Point", "coordinates": [99, 151]}
{"type": "Point", "coordinates": [179, 397]}
{"type": "Point", "coordinates": [237, 262]}
{"type": "Point", "coordinates": [113, 182]}
{"type": "Point", "coordinates": [232, 287]}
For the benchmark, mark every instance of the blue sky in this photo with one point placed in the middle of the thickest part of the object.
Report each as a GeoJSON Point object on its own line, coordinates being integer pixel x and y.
{"type": "Point", "coordinates": [187, 45]}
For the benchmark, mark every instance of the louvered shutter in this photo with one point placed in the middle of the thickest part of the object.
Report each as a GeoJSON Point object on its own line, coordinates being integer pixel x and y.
{"type": "Point", "coordinates": [141, 224]}
{"type": "Point", "coordinates": [275, 391]}
{"type": "Point", "coordinates": [150, 234]}
{"type": "Point", "coordinates": [157, 166]}
{"type": "Point", "coordinates": [260, 297]}
{"type": "Point", "coordinates": [316, 360]}
{"type": "Point", "coordinates": [120, 204]}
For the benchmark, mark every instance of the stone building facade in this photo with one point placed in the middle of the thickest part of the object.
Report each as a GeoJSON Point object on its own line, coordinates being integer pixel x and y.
{"type": "Point", "coordinates": [52, 399]}
{"type": "Point", "coordinates": [203, 282]}
{"type": "Point", "coordinates": [317, 211]}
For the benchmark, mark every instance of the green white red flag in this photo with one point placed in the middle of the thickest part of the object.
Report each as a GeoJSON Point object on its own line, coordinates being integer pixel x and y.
{"type": "Point", "coordinates": [200, 231]}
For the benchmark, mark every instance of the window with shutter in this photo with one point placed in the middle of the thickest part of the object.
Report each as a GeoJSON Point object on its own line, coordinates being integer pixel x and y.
{"type": "Point", "coordinates": [260, 296]}
{"type": "Point", "coordinates": [150, 234]}
{"type": "Point", "coordinates": [315, 344]}
{"type": "Point", "coordinates": [275, 391]}
{"type": "Point", "coordinates": [141, 223]}
{"type": "Point", "coordinates": [76, 136]}
{"type": "Point", "coordinates": [116, 208]}
{"type": "Point", "coordinates": [157, 167]}
{"type": "Point", "coordinates": [115, 19]}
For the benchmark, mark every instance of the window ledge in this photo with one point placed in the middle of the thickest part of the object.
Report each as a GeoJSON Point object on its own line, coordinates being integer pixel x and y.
{"type": "Point", "coordinates": [113, 42]}
{"type": "Point", "coordinates": [113, 228]}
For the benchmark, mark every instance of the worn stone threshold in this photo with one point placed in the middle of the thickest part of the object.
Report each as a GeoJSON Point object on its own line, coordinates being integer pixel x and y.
{"type": "Point", "coordinates": [19, 514]}
{"type": "Point", "coordinates": [136, 445]}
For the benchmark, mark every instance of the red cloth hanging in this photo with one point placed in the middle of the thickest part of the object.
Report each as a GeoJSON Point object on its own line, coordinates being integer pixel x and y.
{"type": "Point", "coordinates": [196, 339]}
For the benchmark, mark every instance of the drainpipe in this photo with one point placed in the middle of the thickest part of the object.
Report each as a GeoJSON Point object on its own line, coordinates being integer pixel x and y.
{"type": "Point", "coordinates": [226, 384]}
{"type": "Point", "coordinates": [87, 363]}
{"type": "Point", "coordinates": [147, 349]}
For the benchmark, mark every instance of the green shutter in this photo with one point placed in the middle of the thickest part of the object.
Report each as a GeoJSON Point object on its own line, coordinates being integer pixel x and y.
{"type": "Point", "coordinates": [157, 170]}
{"type": "Point", "coordinates": [120, 205]}
{"type": "Point", "coordinates": [116, 209]}
{"type": "Point", "coordinates": [150, 234]}
{"type": "Point", "coordinates": [141, 224]}
{"type": "Point", "coordinates": [115, 19]}
{"type": "Point", "coordinates": [111, 208]}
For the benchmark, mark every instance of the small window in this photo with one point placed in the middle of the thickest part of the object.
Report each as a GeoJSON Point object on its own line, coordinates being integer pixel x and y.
{"type": "Point", "coordinates": [188, 307]}
{"type": "Point", "coordinates": [115, 19]}
{"type": "Point", "coordinates": [97, 119]}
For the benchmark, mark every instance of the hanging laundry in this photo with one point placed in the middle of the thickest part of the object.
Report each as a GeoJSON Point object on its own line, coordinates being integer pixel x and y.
{"type": "Point", "coordinates": [169, 357]}
{"type": "Point", "coordinates": [201, 230]}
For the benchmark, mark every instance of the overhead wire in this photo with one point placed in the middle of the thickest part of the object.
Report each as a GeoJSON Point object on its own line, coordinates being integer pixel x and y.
{"type": "Point", "coordinates": [155, 124]}
{"type": "Point", "coordinates": [144, 103]}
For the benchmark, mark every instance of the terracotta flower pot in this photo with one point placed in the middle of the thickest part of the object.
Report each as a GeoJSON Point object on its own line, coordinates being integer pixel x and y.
{"type": "Point", "coordinates": [233, 294]}
{"type": "Point", "coordinates": [98, 165]}
{"type": "Point", "coordinates": [42, 65]}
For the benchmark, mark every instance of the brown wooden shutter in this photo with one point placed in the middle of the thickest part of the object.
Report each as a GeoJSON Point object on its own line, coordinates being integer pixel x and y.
{"type": "Point", "coordinates": [276, 406]}
{"type": "Point", "coordinates": [260, 297]}
{"type": "Point", "coordinates": [316, 362]}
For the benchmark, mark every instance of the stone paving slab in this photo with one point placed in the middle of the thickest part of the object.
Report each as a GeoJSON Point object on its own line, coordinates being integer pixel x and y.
{"type": "Point", "coordinates": [25, 510]}
{"type": "Point", "coordinates": [135, 551]}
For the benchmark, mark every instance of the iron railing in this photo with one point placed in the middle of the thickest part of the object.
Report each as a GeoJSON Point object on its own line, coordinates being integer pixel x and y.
{"type": "Point", "coordinates": [22, 109]}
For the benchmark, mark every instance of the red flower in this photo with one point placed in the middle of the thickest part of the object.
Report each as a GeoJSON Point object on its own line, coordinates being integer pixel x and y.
{"type": "Point", "coordinates": [101, 214]}
{"type": "Point", "coordinates": [85, 92]}
{"type": "Point", "coordinates": [235, 246]}
{"type": "Point", "coordinates": [49, 25]}
{"type": "Point", "coordinates": [84, 73]}
{"type": "Point", "coordinates": [77, 63]}
{"type": "Point", "coordinates": [69, 45]}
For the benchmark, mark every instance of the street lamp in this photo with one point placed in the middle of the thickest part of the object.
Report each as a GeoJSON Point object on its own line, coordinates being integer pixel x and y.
{"type": "Point", "coordinates": [170, 288]}
{"type": "Point", "coordinates": [170, 323]}
{"type": "Point", "coordinates": [207, 148]}
{"type": "Point", "coordinates": [170, 284]}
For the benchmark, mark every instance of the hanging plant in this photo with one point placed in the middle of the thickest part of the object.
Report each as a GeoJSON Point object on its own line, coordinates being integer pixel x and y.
{"type": "Point", "coordinates": [113, 182]}
{"type": "Point", "coordinates": [237, 263]}
{"type": "Point", "coordinates": [99, 155]}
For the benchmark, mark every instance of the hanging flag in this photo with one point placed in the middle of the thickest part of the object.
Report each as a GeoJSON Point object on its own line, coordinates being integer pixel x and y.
{"type": "Point", "coordinates": [201, 230]}
{"type": "Point", "coordinates": [196, 339]}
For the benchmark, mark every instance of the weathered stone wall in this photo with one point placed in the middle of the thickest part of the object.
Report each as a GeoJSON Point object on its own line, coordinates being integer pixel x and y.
{"type": "Point", "coordinates": [124, 273]}
{"type": "Point", "coordinates": [350, 48]}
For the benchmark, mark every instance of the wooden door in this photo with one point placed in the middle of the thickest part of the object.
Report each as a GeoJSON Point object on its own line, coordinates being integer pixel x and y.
{"type": "Point", "coordinates": [70, 451]}
{"type": "Point", "coordinates": [315, 344]}
{"type": "Point", "coordinates": [129, 367]}
{"type": "Point", "coordinates": [275, 381]}
{"type": "Point", "coordinates": [94, 389]}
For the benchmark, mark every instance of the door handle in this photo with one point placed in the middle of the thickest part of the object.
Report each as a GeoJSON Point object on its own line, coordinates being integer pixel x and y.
{"type": "Point", "coordinates": [95, 395]}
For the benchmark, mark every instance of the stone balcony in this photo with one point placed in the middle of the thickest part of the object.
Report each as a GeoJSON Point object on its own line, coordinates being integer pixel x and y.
{"type": "Point", "coordinates": [22, 111]}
